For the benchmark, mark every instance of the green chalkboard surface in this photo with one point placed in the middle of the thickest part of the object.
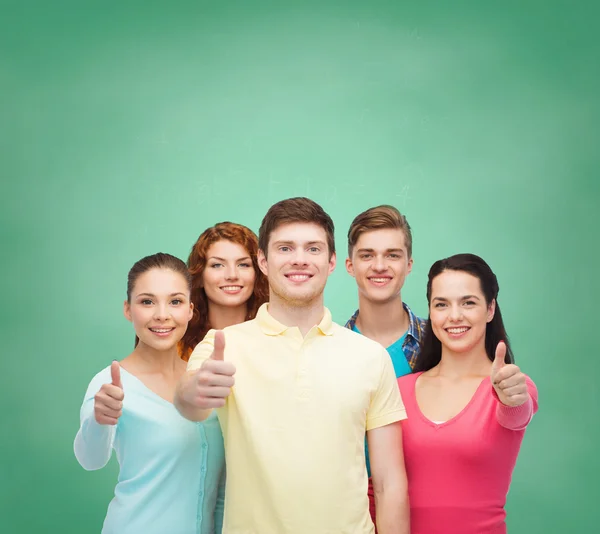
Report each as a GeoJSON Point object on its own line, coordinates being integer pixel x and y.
{"type": "Point", "coordinates": [129, 127]}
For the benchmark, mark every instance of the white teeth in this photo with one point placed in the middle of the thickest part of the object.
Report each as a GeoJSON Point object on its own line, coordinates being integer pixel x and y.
{"type": "Point", "coordinates": [298, 277]}
{"type": "Point", "coordinates": [379, 279]}
{"type": "Point", "coordinates": [161, 330]}
{"type": "Point", "coordinates": [457, 330]}
{"type": "Point", "coordinates": [231, 288]}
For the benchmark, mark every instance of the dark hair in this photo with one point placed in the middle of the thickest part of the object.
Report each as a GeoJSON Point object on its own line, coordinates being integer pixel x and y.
{"type": "Point", "coordinates": [379, 218]}
{"type": "Point", "coordinates": [160, 260]}
{"type": "Point", "coordinates": [294, 210]}
{"type": "Point", "coordinates": [224, 231]}
{"type": "Point", "coordinates": [431, 351]}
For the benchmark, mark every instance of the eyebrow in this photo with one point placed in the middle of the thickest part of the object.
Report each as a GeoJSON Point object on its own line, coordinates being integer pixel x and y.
{"type": "Point", "coordinates": [153, 295]}
{"type": "Point", "coordinates": [223, 259]}
{"type": "Point", "coordinates": [466, 297]}
{"type": "Point", "coordinates": [287, 242]}
{"type": "Point", "coordinates": [386, 250]}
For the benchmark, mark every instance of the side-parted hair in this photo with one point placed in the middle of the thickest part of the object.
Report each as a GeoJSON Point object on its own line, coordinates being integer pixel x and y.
{"type": "Point", "coordinates": [431, 351]}
{"type": "Point", "coordinates": [295, 210]}
{"type": "Point", "coordinates": [160, 260]}
{"type": "Point", "coordinates": [224, 231]}
{"type": "Point", "coordinates": [379, 218]}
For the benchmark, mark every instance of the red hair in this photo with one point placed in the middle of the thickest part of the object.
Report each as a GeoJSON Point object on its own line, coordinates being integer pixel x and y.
{"type": "Point", "coordinates": [224, 231]}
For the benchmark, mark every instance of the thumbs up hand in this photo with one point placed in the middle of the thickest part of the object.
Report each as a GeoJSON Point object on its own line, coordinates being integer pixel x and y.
{"type": "Point", "coordinates": [212, 383]}
{"type": "Point", "coordinates": [508, 380]}
{"type": "Point", "coordinates": [108, 402]}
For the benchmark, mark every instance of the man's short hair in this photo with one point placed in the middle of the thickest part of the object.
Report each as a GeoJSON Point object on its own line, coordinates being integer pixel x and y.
{"type": "Point", "coordinates": [295, 210]}
{"type": "Point", "coordinates": [379, 218]}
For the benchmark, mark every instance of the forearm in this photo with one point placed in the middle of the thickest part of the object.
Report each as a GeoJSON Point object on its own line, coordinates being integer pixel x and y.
{"type": "Point", "coordinates": [517, 417]}
{"type": "Point", "coordinates": [93, 444]}
{"type": "Point", "coordinates": [392, 510]}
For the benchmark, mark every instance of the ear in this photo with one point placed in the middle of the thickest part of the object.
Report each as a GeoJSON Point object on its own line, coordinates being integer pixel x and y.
{"type": "Point", "coordinates": [262, 262]}
{"type": "Point", "coordinates": [350, 267]}
{"type": "Point", "coordinates": [332, 263]}
{"type": "Point", "coordinates": [127, 310]}
{"type": "Point", "coordinates": [191, 311]}
{"type": "Point", "coordinates": [410, 265]}
{"type": "Point", "coordinates": [491, 310]}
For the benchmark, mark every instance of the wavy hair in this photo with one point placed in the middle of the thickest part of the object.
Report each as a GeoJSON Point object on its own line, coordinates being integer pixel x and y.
{"type": "Point", "coordinates": [224, 231]}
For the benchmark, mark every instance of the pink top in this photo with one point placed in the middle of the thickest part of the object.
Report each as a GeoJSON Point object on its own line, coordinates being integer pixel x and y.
{"type": "Point", "coordinates": [459, 471]}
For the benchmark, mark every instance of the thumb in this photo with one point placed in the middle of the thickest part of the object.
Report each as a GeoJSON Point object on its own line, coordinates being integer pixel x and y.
{"type": "Point", "coordinates": [115, 374]}
{"type": "Point", "coordinates": [219, 350]}
{"type": "Point", "coordinates": [500, 358]}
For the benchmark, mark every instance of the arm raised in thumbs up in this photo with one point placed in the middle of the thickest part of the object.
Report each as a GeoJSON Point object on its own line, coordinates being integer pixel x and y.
{"type": "Point", "coordinates": [201, 390]}
{"type": "Point", "coordinates": [508, 380]}
{"type": "Point", "coordinates": [108, 402]}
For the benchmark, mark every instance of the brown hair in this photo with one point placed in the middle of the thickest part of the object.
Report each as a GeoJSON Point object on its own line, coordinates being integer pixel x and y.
{"type": "Point", "coordinates": [227, 231]}
{"type": "Point", "coordinates": [379, 218]}
{"type": "Point", "coordinates": [295, 210]}
{"type": "Point", "coordinates": [160, 260]}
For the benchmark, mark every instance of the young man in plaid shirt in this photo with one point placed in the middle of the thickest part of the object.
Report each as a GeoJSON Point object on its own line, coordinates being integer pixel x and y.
{"type": "Point", "coordinates": [380, 259]}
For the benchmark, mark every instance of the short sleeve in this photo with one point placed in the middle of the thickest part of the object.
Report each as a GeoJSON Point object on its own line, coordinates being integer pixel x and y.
{"type": "Point", "coordinates": [386, 403]}
{"type": "Point", "coordinates": [202, 351]}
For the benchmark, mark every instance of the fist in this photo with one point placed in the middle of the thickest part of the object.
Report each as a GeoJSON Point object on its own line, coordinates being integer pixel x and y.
{"type": "Point", "coordinates": [108, 402]}
{"type": "Point", "coordinates": [508, 380]}
{"type": "Point", "coordinates": [212, 383]}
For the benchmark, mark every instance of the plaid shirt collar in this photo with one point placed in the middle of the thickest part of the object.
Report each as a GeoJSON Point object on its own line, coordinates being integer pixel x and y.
{"type": "Point", "coordinates": [415, 326]}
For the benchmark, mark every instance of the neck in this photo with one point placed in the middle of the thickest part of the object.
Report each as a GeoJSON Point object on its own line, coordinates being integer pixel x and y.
{"type": "Point", "coordinates": [304, 315]}
{"type": "Point", "coordinates": [382, 320]}
{"type": "Point", "coordinates": [150, 360]}
{"type": "Point", "coordinates": [462, 365]}
{"type": "Point", "coordinates": [220, 317]}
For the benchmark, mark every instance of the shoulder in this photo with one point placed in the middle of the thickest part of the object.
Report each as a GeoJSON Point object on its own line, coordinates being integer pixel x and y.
{"type": "Point", "coordinates": [355, 339]}
{"type": "Point", "coordinates": [407, 382]}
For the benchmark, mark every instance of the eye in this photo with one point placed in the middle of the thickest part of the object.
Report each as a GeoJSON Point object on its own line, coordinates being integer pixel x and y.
{"type": "Point", "coordinates": [470, 303]}
{"type": "Point", "coordinates": [176, 302]}
{"type": "Point", "coordinates": [146, 302]}
{"type": "Point", "coordinates": [216, 265]}
{"type": "Point", "coordinates": [440, 305]}
{"type": "Point", "coordinates": [394, 256]}
{"type": "Point", "coordinates": [365, 256]}
{"type": "Point", "coordinates": [314, 250]}
{"type": "Point", "coordinates": [245, 265]}
{"type": "Point", "coordinates": [284, 248]}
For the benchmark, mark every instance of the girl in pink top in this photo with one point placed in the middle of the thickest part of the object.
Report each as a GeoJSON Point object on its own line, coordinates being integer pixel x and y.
{"type": "Point", "coordinates": [468, 405]}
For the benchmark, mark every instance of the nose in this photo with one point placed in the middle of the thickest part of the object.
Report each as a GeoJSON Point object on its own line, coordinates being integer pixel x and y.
{"type": "Point", "coordinates": [379, 263]}
{"type": "Point", "coordinates": [300, 256]}
{"type": "Point", "coordinates": [455, 312]}
{"type": "Point", "coordinates": [231, 272]}
{"type": "Point", "coordinates": [161, 312]}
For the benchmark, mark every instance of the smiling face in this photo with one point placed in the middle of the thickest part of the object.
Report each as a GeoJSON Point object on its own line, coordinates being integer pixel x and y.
{"type": "Point", "coordinates": [159, 308]}
{"type": "Point", "coordinates": [298, 264]}
{"type": "Point", "coordinates": [228, 278]}
{"type": "Point", "coordinates": [458, 311]}
{"type": "Point", "coordinates": [380, 264]}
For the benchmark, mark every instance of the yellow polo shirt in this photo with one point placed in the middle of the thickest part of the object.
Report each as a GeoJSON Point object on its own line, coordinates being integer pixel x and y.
{"type": "Point", "coordinates": [294, 425]}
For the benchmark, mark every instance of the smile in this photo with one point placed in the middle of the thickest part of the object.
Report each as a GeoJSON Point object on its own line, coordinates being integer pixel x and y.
{"type": "Point", "coordinates": [162, 332]}
{"type": "Point", "coordinates": [458, 330]}
{"type": "Point", "coordinates": [298, 277]}
{"type": "Point", "coordinates": [231, 289]}
{"type": "Point", "coordinates": [379, 279]}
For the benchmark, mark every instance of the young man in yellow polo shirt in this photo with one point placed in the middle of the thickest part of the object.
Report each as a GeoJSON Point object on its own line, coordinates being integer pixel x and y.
{"type": "Point", "coordinates": [295, 395]}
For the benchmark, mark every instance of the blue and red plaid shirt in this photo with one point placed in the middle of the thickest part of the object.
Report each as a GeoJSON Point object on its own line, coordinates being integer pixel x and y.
{"type": "Point", "coordinates": [414, 336]}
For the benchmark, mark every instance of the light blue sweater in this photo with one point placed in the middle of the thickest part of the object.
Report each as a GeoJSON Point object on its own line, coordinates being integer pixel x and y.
{"type": "Point", "coordinates": [172, 471]}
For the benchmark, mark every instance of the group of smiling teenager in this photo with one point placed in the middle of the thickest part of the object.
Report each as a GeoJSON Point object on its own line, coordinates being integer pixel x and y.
{"type": "Point", "coordinates": [322, 430]}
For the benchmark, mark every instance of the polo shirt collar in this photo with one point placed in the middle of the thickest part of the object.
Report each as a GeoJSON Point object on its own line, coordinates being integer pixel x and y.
{"type": "Point", "coordinates": [272, 327]}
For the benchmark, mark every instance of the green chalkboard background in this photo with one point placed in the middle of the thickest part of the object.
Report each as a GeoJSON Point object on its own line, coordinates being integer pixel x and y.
{"type": "Point", "coordinates": [129, 127]}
